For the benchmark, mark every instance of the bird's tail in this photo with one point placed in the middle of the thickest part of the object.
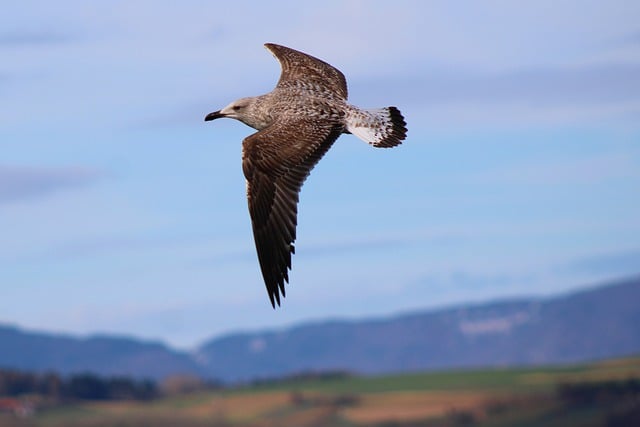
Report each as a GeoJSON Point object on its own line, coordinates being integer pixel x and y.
{"type": "Point", "coordinates": [380, 127]}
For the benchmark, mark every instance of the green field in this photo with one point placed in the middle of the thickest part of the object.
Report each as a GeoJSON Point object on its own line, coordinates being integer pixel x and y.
{"type": "Point", "coordinates": [604, 394]}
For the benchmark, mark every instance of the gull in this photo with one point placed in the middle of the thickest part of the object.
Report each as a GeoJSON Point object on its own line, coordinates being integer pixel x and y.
{"type": "Point", "coordinates": [297, 123]}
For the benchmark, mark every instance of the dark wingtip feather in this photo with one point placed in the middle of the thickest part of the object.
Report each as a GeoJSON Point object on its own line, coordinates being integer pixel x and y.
{"type": "Point", "coordinates": [398, 131]}
{"type": "Point", "coordinates": [274, 297]}
{"type": "Point", "coordinates": [399, 125]}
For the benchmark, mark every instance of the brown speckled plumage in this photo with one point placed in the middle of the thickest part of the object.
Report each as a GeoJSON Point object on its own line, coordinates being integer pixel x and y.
{"type": "Point", "coordinates": [297, 123]}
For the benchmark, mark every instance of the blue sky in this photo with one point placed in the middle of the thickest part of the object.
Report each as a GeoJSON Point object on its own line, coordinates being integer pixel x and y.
{"type": "Point", "coordinates": [122, 211]}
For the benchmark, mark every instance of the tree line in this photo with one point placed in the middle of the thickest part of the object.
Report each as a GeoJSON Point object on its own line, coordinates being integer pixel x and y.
{"type": "Point", "coordinates": [599, 391]}
{"type": "Point", "coordinates": [79, 386]}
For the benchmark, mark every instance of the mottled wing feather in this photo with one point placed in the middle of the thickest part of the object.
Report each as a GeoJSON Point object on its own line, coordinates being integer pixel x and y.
{"type": "Point", "coordinates": [302, 70]}
{"type": "Point", "coordinates": [276, 161]}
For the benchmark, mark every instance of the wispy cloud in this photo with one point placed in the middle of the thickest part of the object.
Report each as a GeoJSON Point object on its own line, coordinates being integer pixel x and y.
{"type": "Point", "coordinates": [612, 167]}
{"type": "Point", "coordinates": [570, 92]}
{"type": "Point", "coordinates": [33, 38]}
{"type": "Point", "coordinates": [96, 246]}
{"type": "Point", "coordinates": [356, 245]}
{"type": "Point", "coordinates": [105, 245]}
{"type": "Point", "coordinates": [19, 183]}
{"type": "Point", "coordinates": [567, 85]}
{"type": "Point", "coordinates": [614, 263]}
{"type": "Point", "coordinates": [632, 39]}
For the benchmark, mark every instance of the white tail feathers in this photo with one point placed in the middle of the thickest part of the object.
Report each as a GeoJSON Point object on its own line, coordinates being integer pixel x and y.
{"type": "Point", "coordinates": [380, 127]}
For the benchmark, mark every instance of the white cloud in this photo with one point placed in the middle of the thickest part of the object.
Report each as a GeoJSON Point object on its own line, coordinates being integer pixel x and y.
{"type": "Point", "coordinates": [23, 182]}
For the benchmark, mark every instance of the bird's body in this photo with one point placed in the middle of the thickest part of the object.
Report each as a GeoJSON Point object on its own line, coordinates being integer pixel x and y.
{"type": "Point", "coordinates": [297, 123]}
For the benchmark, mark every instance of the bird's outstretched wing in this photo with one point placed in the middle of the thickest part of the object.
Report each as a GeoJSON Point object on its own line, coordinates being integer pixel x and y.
{"type": "Point", "coordinates": [276, 161]}
{"type": "Point", "coordinates": [302, 70]}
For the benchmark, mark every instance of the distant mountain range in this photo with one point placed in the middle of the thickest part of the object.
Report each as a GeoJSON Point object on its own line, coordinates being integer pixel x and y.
{"type": "Point", "coordinates": [597, 323]}
{"type": "Point", "coordinates": [104, 355]}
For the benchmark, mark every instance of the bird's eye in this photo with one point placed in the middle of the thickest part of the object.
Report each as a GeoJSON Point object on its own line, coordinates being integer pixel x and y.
{"type": "Point", "coordinates": [236, 107]}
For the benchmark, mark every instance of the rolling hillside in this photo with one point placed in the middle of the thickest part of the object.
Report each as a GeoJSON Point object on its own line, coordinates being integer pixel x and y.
{"type": "Point", "coordinates": [592, 324]}
{"type": "Point", "coordinates": [104, 355]}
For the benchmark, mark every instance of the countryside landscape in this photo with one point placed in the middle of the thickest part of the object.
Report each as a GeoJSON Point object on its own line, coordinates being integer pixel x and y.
{"type": "Point", "coordinates": [589, 375]}
{"type": "Point", "coordinates": [604, 393]}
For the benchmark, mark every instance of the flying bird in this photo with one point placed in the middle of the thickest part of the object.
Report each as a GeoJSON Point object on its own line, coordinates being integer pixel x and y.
{"type": "Point", "coordinates": [297, 123]}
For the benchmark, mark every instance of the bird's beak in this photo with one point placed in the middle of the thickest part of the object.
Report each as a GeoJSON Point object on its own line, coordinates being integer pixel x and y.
{"type": "Point", "coordinates": [213, 116]}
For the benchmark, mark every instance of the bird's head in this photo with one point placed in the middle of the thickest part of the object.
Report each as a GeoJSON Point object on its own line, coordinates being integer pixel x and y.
{"type": "Point", "coordinates": [236, 110]}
